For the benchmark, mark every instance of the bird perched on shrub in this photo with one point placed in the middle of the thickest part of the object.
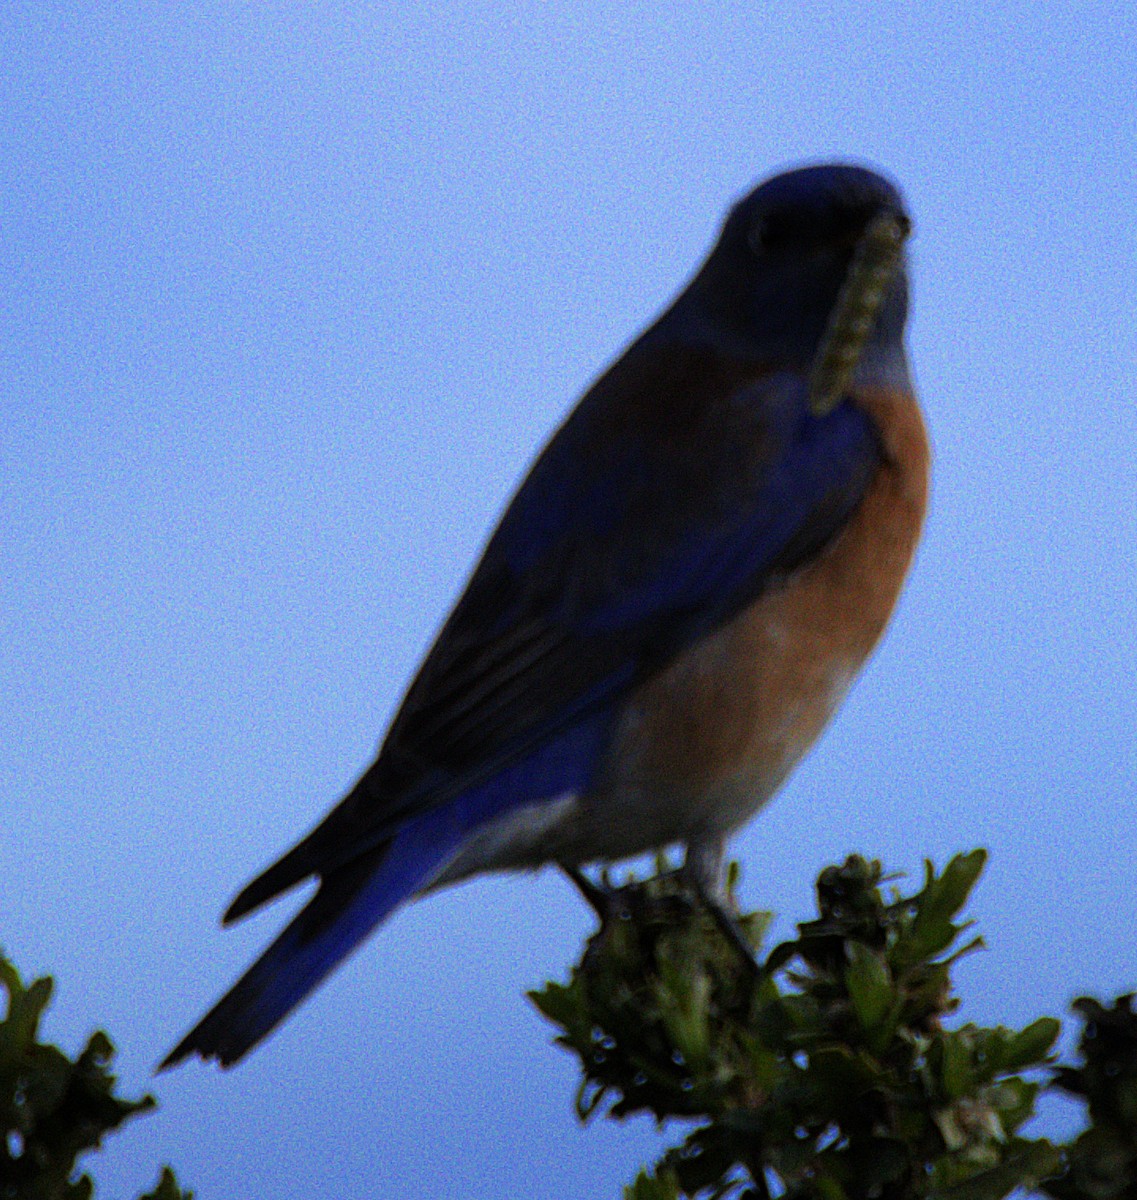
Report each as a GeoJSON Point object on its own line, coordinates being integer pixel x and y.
{"type": "Point", "coordinates": [669, 611]}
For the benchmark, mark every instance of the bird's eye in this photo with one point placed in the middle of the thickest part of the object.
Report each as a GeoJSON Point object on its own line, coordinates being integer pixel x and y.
{"type": "Point", "coordinates": [778, 228]}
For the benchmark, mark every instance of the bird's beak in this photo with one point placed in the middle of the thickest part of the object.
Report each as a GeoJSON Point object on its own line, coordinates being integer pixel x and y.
{"type": "Point", "coordinates": [874, 263]}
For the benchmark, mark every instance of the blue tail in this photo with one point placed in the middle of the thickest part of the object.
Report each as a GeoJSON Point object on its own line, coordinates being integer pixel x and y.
{"type": "Point", "coordinates": [351, 902]}
{"type": "Point", "coordinates": [362, 891]}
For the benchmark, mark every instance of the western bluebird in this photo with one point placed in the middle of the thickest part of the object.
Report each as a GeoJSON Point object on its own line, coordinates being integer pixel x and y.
{"type": "Point", "coordinates": [671, 608]}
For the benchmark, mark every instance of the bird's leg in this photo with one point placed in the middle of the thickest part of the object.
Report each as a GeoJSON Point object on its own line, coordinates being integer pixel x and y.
{"type": "Point", "coordinates": [602, 900]}
{"type": "Point", "coordinates": [701, 873]}
{"type": "Point", "coordinates": [641, 901]}
{"type": "Point", "coordinates": [702, 869]}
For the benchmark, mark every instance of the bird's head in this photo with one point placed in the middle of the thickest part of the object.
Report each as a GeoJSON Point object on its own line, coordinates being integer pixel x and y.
{"type": "Point", "coordinates": [788, 253]}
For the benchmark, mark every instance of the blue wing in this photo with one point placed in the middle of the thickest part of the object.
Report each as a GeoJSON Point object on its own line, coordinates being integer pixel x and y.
{"type": "Point", "coordinates": [652, 516]}
{"type": "Point", "coordinates": [660, 508]}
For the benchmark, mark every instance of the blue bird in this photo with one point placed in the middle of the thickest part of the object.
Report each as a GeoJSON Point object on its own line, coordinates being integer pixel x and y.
{"type": "Point", "coordinates": [671, 608]}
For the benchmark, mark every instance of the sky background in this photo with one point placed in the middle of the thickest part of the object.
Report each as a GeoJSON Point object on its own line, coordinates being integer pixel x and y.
{"type": "Point", "coordinates": [291, 295]}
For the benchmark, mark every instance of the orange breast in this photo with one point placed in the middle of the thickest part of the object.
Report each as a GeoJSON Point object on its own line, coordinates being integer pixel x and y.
{"type": "Point", "coordinates": [708, 741]}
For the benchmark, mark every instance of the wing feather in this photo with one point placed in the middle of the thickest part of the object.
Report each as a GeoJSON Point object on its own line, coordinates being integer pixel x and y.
{"type": "Point", "coordinates": [620, 548]}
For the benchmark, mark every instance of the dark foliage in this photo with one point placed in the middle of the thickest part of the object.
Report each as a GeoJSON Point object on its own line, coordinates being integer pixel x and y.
{"type": "Point", "coordinates": [831, 1073]}
{"type": "Point", "coordinates": [54, 1109]}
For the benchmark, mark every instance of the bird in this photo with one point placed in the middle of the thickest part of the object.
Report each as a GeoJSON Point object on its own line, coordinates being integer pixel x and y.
{"type": "Point", "coordinates": [671, 608]}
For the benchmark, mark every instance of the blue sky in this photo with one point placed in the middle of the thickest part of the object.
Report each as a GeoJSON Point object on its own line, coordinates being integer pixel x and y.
{"type": "Point", "coordinates": [292, 294]}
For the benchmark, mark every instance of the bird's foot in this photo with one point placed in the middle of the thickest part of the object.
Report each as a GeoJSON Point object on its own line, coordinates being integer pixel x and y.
{"type": "Point", "coordinates": [669, 897]}
{"type": "Point", "coordinates": [664, 894]}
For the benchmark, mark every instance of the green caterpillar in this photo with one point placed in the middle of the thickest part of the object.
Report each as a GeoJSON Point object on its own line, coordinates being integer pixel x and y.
{"type": "Point", "coordinates": [858, 305]}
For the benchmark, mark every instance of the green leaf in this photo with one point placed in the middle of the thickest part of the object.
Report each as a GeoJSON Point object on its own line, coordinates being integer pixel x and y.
{"type": "Point", "coordinates": [684, 1005]}
{"type": "Point", "coordinates": [167, 1188]}
{"type": "Point", "coordinates": [557, 1002]}
{"type": "Point", "coordinates": [1025, 1165]}
{"type": "Point", "coordinates": [648, 1186]}
{"type": "Point", "coordinates": [870, 986]}
{"type": "Point", "coordinates": [957, 1079]}
{"type": "Point", "coordinates": [1032, 1045]}
{"type": "Point", "coordinates": [959, 877]}
{"type": "Point", "coordinates": [942, 898]}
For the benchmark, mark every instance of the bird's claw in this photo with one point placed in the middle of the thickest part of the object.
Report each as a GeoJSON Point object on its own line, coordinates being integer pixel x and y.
{"type": "Point", "coordinates": [669, 896]}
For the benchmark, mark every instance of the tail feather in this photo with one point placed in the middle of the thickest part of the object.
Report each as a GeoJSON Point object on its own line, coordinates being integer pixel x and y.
{"type": "Point", "coordinates": [307, 858]}
{"type": "Point", "coordinates": [352, 900]}
{"type": "Point", "coordinates": [300, 863]}
{"type": "Point", "coordinates": [362, 883]}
